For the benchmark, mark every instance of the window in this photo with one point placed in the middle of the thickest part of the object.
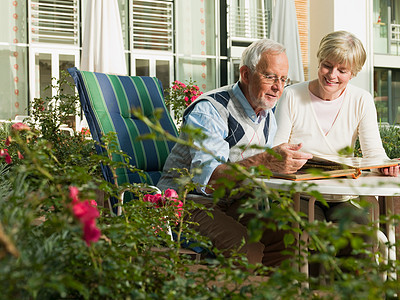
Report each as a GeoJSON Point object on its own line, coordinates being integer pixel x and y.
{"type": "Point", "coordinates": [387, 94]}
{"type": "Point", "coordinates": [249, 19]}
{"type": "Point", "coordinates": [197, 57]}
{"type": "Point", "coordinates": [54, 21]}
{"type": "Point", "coordinates": [14, 81]}
{"type": "Point", "coordinates": [200, 40]}
{"type": "Point", "coordinates": [156, 65]}
{"type": "Point", "coordinates": [54, 42]}
{"type": "Point", "coordinates": [152, 42]}
{"type": "Point", "coordinates": [13, 60]}
{"type": "Point", "coordinates": [152, 25]}
{"type": "Point", "coordinates": [386, 26]}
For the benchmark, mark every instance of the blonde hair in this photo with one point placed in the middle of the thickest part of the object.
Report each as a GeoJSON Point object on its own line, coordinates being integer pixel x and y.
{"type": "Point", "coordinates": [342, 47]}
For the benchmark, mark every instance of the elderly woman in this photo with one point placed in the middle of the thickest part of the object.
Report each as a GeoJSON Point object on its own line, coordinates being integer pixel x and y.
{"type": "Point", "coordinates": [327, 114]}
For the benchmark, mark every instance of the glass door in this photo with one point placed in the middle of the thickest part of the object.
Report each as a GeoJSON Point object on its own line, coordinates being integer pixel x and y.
{"type": "Point", "coordinates": [45, 68]}
{"type": "Point", "coordinates": [157, 66]}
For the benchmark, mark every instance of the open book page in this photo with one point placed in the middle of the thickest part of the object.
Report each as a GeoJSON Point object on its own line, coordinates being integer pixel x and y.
{"type": "Point", "coordinates": [352, 162]}
{"type": "Point", "coordinates": [337, 166]}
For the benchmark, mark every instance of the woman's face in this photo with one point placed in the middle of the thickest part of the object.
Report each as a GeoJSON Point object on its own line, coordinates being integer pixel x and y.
{"type": "Point", "coordinates": [333, 79]}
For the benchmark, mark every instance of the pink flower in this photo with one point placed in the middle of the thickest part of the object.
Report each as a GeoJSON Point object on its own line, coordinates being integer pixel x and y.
{"type": "Point", "coordinates": [170, 193]}
{"type": "Point", "coordinates": [91, 233]}
{"type": "Point", "coordinates": [85, 211]}
{"type": "Point", "coordinates": [148, 198]}
{"type": "Point", "coordinates": [170, 197]}
{"type": "Point", "coordinates": [20, 156]}
{"type": "Point", "coordinates": [73, 194]}
{"type": "Point", "coordinates": [4, 153]}
{"type": "Point", "coordinates": [20, 126]}
{"type": "Point", "coordinates": [179, 206]}
{"type": "Point", "coordinates": [85, 131]}
{"type": "Point", "coordinates": [156, 199]}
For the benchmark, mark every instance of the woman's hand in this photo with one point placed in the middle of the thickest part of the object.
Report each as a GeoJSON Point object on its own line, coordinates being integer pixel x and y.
{"type": "Point", "coordinates": [390, 171]}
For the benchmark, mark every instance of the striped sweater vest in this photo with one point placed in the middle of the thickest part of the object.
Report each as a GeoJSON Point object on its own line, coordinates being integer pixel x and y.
{"type": "Point", "coordinates": [242, 133]}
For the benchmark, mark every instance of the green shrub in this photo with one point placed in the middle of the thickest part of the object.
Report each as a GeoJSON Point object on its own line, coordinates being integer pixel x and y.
{"type": "Point", "coordinates": [390, 136]}
{"type": "Point", "coordinates": [43, 254]}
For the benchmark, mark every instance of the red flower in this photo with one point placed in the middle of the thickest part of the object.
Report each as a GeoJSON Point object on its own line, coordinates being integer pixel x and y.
{"type": "Point", "coordinates": [157, 199]}
{"type": "Point", "coordinates": [20, 126]}
{"type": "Point", "coordinates": [170, 197]}
{"type": "Point", "coordinates": [170, 193]}
{"type": "Point", "coordinates": [179, 206]}
{"type": "Point", "coordinates": [4, 153]}
{"type": "Point", "coordinates": [85, 131]}
{"type": "Point", "coordinates": [91, 233]}
{"type": "Point", "coordinates": [86, 212]}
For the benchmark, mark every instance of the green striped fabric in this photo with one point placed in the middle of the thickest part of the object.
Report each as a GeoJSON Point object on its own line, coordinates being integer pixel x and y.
{"type": "Point", "coordinates": [107, 101]}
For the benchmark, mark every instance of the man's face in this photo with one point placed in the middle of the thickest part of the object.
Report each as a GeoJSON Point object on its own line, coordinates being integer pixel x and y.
{"type": "Point", "coordinates": [263, 92]}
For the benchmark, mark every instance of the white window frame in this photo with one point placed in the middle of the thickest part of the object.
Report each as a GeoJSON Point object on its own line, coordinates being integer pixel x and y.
{"type": "Point", "coordinates": [55, 64]}
{"type": "Point", "coordinates": [152, 58]}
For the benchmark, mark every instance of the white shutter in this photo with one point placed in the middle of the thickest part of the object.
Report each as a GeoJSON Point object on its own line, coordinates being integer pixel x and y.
{"type": "Point", "coordinates": [152, 25]}
{"type": "Point", "coordinates": [54, 21]}
{"type": "Point", "coordinates": [249, 19]}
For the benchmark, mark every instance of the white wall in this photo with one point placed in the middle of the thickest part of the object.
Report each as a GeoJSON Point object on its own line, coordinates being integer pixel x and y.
{"type": "Point", "coordinates": [350, 15]}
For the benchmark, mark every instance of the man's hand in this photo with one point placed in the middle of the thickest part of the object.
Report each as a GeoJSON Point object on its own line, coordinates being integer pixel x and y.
{"type": "Point", "coordinates": [292, 158]}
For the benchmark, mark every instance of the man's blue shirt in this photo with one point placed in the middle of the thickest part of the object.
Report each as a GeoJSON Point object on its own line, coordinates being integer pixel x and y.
{"type": "Point", "coordinates": [205, 116]}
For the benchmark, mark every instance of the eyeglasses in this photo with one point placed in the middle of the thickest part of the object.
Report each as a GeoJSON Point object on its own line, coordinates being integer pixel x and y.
{"type": "Point", "coordinates": [273, 79]}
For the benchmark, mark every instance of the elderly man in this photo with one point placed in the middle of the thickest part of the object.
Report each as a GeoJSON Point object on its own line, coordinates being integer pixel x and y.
{"type": "Point", "coordinates": [235, 117]}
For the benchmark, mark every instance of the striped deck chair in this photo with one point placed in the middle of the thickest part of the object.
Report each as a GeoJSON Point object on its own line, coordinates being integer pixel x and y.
{"type": "Point", "coordinates": [107, 101]}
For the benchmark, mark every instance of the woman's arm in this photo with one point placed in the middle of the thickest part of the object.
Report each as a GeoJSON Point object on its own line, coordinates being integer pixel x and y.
{"type": "Point", "coordinates": [370, 139]}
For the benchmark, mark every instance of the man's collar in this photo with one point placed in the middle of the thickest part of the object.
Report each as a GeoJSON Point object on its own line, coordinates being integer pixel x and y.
{"type": "Point", "coordinates": [246, 105]}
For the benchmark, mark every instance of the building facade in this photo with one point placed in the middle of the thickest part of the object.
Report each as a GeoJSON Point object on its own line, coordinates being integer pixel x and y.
{"type": "Point", "coordinates": [200, 40]}
{"type": "Point", "coordinates": [190, 39]}
{"type": "Point", "coordinates": [386, 46]}
{"type": "Point", "coordinates": [376, 23]}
